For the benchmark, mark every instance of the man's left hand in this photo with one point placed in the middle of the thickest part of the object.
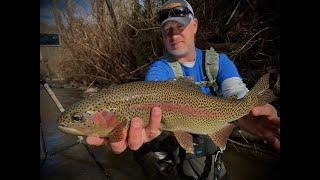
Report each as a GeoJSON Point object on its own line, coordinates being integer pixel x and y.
{"type": "Point", "coordinates": [264, 122]}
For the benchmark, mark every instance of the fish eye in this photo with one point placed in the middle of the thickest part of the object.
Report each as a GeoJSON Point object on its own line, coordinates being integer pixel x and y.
{"type": "Point", "coordinates": [77, 118]}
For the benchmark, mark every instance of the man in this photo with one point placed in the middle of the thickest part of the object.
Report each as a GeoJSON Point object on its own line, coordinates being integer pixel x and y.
{"type": "Point", "coordinates": [178, 28]}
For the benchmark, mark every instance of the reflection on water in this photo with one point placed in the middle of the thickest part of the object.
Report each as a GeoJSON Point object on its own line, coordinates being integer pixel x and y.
{"type": "Point", "coordinates": [243, 166]}
{"type": "Point", "coordinates": [75, 162]}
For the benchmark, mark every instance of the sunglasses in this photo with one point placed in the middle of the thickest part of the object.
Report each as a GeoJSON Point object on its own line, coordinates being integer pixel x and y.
{"type": "Point", "coordinates": [174, 12]}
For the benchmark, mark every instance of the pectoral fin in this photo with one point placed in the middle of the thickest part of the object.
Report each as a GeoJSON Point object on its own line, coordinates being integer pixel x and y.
{"type": "Point", "coordinates": [116, 134]}
{"type": "Point", "coordinates": [185, 140]}
{"type": "Point", "coordinates": [220, 137]}
{"type": "Point", "coordinates": [110, 125]}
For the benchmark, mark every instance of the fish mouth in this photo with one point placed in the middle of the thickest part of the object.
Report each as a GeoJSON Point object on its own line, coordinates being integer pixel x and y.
{"type": "Point", "coordinates": [70, 130]}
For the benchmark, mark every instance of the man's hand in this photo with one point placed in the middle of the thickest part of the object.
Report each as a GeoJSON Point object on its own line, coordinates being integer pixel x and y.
{"type": "Point", "coordinates": [264, 122]}
{"type": "Point", "coordinates": [137, 134]}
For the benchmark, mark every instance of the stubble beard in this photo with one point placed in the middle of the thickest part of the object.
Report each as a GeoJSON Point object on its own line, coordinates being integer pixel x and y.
{"type": "Point", "coordinates": [179, 53]}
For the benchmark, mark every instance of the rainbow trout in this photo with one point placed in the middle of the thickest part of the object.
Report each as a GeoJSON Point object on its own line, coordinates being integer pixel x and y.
{"type": "Point", "coordinates": [185, 110]}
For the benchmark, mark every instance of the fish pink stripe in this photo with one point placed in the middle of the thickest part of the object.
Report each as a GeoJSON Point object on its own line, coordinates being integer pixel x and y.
{"type": "Point", "coordinates": [178, 108]}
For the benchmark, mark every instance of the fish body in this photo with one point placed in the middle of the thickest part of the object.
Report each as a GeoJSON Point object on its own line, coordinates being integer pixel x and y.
{"type": "Point", "coordinates": [185, 109]}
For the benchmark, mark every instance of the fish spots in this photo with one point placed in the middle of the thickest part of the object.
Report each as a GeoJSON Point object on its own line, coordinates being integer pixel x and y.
{"type": "Point", "coordinates": [184, 109]}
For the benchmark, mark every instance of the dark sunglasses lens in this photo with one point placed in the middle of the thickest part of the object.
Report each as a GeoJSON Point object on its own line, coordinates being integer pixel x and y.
{"type": "Point", "coordinates": [175, 12]}
{"type": "Point", "coordinates": [179, 11]}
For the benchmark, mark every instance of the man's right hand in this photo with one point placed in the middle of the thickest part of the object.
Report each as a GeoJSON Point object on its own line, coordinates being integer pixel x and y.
{"type": "Point", "coordinates": [136, 136]}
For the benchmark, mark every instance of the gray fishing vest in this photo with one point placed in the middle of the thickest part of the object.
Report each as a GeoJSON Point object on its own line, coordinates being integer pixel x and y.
{"type": "Point", "coordinates": [211, 67]}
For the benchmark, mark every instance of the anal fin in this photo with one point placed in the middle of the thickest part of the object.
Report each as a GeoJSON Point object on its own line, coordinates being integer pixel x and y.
{"type": "Point", "coordinates": [221, 136]}
{"type": "Point", "coordinates": [185, 140]}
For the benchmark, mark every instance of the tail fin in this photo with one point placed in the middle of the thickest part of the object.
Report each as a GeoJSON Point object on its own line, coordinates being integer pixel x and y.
{"type": "Point", "coordinates": [262, 91]}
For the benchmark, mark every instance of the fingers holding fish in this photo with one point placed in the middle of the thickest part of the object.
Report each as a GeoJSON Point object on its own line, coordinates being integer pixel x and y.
{"type": "Point", "coordinates": [116, 147]}
{"type": "Point", "coordinates": [135, 139]}
{"type": "Point", "coordinates": [271, 122]}
{"type": "Point", "coordinates": [263, 122]}
{"type": "Point", "coordinates": [153, 129]}
{"type": "Point", "coordinates": [274, 141]}
{"type": "Point", "coordinates": [119, 147]}
{"type": "Point", "coordinates": [96, 141]}
{"type": "Point", "coordinates": [137, 134]}
{"type": "Point", "coordinates": [267, 110]}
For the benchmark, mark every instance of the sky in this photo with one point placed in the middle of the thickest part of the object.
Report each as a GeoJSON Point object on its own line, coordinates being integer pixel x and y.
{"type": "Point", "coordinates": [46, 14]}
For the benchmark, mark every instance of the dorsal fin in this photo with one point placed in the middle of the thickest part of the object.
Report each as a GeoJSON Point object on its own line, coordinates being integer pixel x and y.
{"type": "Point", "coordinates": [186, 82]}
{"type": "Point", "coordinates": [233, 97]}
{"type": "Point", "coordinates": [262, 91]}
{"type": "Point", "coordinates": [261, 86]}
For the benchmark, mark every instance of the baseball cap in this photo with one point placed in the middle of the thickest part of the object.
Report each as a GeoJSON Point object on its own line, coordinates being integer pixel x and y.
{"type": "Point", "coordinates": [176, 10]}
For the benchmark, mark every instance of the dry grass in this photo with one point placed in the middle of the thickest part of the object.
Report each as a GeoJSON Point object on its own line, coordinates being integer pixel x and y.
{"type": "Point", "coordinates": [103, 51]}
{"type": "Point", "coordinates": [249, 33]}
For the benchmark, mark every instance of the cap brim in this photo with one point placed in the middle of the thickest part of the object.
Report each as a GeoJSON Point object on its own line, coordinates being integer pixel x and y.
{"type": "Point", "coordinates": [181, 20]}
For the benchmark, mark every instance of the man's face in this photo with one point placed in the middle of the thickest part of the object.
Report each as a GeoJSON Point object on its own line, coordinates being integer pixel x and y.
{"type": "Point", "coordinates": [179, 42]}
